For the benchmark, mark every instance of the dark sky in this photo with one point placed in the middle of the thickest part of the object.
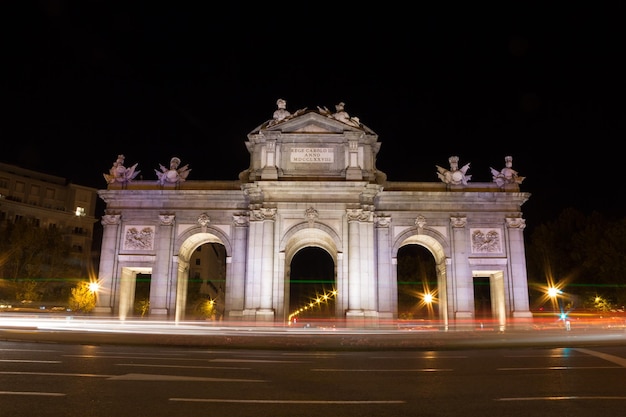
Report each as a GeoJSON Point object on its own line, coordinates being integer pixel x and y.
{"type": "Point", "coordinates": [85, 81]}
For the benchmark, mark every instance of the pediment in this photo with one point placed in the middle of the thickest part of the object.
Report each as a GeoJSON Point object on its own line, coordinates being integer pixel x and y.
{"type": "Point", "coordinates": [311, 122]}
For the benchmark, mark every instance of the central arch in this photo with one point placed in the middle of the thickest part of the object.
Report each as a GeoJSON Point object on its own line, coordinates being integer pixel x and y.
{"type": "Point", "coordinates": [319, 236]}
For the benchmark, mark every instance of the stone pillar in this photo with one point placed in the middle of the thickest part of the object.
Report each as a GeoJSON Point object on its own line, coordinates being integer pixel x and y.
{"type": "Point", "coordinates": [107, 275]}
{"type": "Point", "coordinates": [236, 277]}
{"type": "Point", "coordinates": [462, 278]}
{"type": "Point", "coordinates": [354, 263]}
{"type": "Point", "coordinates": [369, 289]}
{"type": "Point", "coordinates": [518, 283]}
{"type": "Point", "coordinates": [254, 264]}
{"type": "Point", "coordinates": [161, 272]}
{"type": "Point", "coordinates": [385, 287]}
{"type": "Point", "coordinates": [267, 264]}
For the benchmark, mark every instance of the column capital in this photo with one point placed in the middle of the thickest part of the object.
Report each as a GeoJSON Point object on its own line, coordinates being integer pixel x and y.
{"type": "Point", "coordinates": [458, 222]}
{"type": "Point", "coordinates": [515, 223]}
{"type": "Point", "coordinates": [166, 219]}
{"type": "Point", "coordinates": [111, 219]}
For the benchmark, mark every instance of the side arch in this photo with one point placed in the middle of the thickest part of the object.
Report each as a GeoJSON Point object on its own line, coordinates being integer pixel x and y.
{"type": "Point", "coordinates": [437, 244]}
{"type": "Point", "coordinates": [186, 243]}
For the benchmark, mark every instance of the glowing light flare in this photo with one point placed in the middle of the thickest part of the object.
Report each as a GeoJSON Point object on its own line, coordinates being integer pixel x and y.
{"type": "Point", "coordinates": [317, 301]}
{"type": "Point", "coordinates": [94, 287]}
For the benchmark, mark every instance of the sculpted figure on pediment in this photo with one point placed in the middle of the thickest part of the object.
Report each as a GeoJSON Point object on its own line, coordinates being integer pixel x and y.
{"type": "Point", "coordinates": [454, 175]}
{"type": "Point", "coordinates": [119, 173]}
{"type": "Point", "coordinates": [173, 174]}
{"type": "Point", "coordinates": [507, 175]}
{"type": "Point", "coordinates": [340, 114]}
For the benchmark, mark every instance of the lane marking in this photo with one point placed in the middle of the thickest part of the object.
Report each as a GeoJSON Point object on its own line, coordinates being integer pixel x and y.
{"type": "Point", "coordinates": [560, 398]}
{"type": "Point", "coordinates": [27, 361]}
{"type": "Point", "coordinates": [611, 358]}
{"type": "Point", "coordinates": [54, 374]}
{"type": "Point", "coordinates": [135, 357]}
{"type": "Point", "coordinates": [28, 350]}
{"type": "Point", "coordinates": [185, 359]}
{"type": "Point", "coordinates": [146, 365]}
{"type": "Point", "coordinates": [253, 361]}
{"type": "Point", "coordinates": [151, 377]}
{"type": "Point", "coordinates": [558, 368]}
{"type": "Point", "coordinates": [44, 394]}
{"type": "Point", "coordinates": [222, 400]}
{"type": "Point", "coordinates": [381, 370]}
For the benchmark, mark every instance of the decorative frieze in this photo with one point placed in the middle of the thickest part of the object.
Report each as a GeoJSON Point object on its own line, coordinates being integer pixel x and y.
{"type": "Point", "coordinates": [139, 238]}
{"type": "Point", "coordinates": [486, 240]}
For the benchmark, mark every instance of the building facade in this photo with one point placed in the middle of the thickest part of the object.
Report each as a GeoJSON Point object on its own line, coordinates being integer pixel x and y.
{"type": "Point", "coordinates": [313, 182]}
{"type": "Point", "coordinates": [48, 201]}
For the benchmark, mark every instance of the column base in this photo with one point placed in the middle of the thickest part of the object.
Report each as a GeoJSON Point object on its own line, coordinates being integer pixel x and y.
{"type": "Point", "coordinates": [103, 310]}
{"type": "Point", "coordinates": [265, 315]}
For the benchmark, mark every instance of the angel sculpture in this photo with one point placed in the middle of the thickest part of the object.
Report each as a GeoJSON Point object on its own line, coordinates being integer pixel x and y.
{"type": "Point", "coordinates": [454, 175]}
{"type": "Point", "coordinates": [173, 174]}
{"type": "Point", "coordinates": [508, 175]}
{"type": "Point", "coordinates": [119, 173]}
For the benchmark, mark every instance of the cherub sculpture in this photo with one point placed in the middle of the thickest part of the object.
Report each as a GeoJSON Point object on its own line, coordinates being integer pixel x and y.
{"type": "Point", "coordinates": [508, 175]}
{"type": "Point", "coordinates": [173, 174]}
{"type": "Point", "coordinates": [454, 175]}
{"type": "Point", "coordinates": [119, 173]}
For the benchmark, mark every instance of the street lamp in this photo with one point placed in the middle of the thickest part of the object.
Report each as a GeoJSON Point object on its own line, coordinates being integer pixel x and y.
{"type": "Point", "coordinates": [554, 293]}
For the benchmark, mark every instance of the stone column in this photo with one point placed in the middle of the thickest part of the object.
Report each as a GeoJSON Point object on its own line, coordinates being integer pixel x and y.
{"type": "Point", "coordinates": [385, 287]}
{"type": "Point", "coordinates": [267, 264]}
{"type": "Point", "coordinates": [463, 280]}
{"type": "Point", "coordinates": [161, 272]}
{"type": "Point", "coordinates": [252, 300]}
{"type": "Point", "coordinates": [236, 278]}
{"type": "Point", "coordinates": [354, 263]}
{"type": "Point", "coordinates": [518, 283]}
{"type": "Point", "coordinates": [369, 290]}
{"type": "Point", "coordinates": [107, 275]}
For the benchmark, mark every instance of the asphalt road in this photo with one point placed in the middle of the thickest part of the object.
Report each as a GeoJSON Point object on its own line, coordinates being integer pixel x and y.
{"type": "Point", "coordinates": [90, 331]}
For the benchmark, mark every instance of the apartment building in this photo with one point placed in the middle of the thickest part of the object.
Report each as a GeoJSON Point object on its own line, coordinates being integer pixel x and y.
{"type": "Point", "coordinates": [49, 201]}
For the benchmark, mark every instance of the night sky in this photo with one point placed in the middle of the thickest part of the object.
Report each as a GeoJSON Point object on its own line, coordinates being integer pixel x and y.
{"type": "Point", "coordinates": [85, 81]}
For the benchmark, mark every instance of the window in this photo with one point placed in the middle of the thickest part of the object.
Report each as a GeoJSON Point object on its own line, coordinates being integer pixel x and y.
{"type": "Point", "coordinates": [80, 211]}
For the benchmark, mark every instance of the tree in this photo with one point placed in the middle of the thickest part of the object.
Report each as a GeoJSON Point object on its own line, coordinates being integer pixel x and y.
{"type": "Point", "coordinates": [82, 298]}
{"type": "Point", "coordinates": [585, 253]}
{"type": "Point", "coordinates": [35, 262]}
